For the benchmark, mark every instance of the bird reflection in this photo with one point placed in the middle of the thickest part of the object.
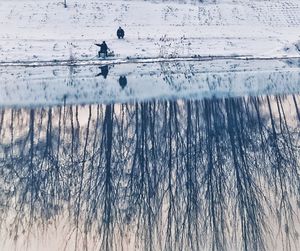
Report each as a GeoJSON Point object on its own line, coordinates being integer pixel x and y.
{"type": "Point", "coordinates": [219, 174]}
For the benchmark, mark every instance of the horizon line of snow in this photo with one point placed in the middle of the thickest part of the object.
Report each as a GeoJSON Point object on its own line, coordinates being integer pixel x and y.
{"type": "Point", "coordinates": [135, 60]}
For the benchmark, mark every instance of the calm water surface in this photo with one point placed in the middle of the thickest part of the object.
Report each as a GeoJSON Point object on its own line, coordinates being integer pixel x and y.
{"type": "Point", "coordinates": [211, 174]}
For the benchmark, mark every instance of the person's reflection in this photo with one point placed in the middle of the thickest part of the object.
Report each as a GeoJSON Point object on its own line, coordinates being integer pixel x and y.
{"type": "Point", "coordinates": [104, 71]}
{"type": "Point", "coordinates": [123, 81]}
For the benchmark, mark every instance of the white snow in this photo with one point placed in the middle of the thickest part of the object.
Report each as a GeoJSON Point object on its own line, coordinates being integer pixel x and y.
{"type": "Point", "coordinates": [45, 30]}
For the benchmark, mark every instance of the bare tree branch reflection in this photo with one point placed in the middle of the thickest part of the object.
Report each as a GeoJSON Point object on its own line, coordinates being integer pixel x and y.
{"type": "Point", "coordinates": [218, 174]}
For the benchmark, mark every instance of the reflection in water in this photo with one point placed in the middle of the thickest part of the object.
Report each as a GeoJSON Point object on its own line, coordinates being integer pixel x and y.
{"type": "Point", "coordinates": [123, 81]}
{"type": "Point", "coordinates": [104, 71]}
{"type": "Point", "coordinates": [39, 86]}
{"type": "Point", "coordinates": [172, 175]}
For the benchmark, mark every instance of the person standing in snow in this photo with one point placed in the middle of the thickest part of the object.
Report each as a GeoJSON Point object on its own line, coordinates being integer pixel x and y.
{"type": "Point", "coordinates": [120, 33]}
{"type": "Point", "coordinates": [103, 49]}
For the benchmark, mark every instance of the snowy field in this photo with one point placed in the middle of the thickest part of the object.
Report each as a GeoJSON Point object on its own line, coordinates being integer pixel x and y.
{"type": "Point", "coordinates": [36, 30]}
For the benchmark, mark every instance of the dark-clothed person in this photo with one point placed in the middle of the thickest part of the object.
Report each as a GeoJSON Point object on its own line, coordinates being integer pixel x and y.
{"type": "Point", "coordinates": [103, 49]}
{"type": "Point", "coordinates": [120, 33]}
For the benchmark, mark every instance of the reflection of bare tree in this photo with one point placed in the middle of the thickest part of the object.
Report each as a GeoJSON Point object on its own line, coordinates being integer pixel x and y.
{"type": "Point", "coordinates": [172, 175]}
{"type": "Point", "coordinates": [1, 121]}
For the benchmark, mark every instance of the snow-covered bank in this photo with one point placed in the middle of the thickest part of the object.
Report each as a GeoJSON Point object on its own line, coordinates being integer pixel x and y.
{"type": "Point", "coordinates": [44, 30]}
{"type": "Point", "coordinates": [138, 60]}
{"type": "Point", "coordinates": [85, 85]}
